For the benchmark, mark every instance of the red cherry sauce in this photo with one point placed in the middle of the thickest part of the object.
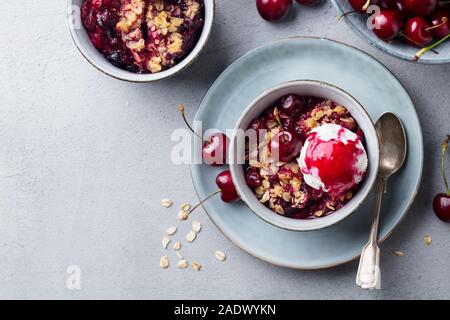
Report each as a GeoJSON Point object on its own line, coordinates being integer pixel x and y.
{"type": "Point", "coordinates": [335, 162]}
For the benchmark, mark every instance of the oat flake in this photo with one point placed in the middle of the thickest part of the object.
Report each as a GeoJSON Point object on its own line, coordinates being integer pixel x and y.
{"type": "Point", "coordinates": [191, 236]}
{"type": "Point", "coordinates": [167, 203]}
{"type": "Point", "coordinates": [183, 264]}
{"type": "Point", "coordinates": [165, 242]}
{"type": "Point", "coordinates": [196, 265]}
{"type": "Point", "coordinates": [399, 253]}
{"type": "Point", "coordinates": [186, 207]}
{"type": "Point", "coordinates": [164, 262]}
{"type": "Point", "coordinates": [183, 215]}
{"type": "Point", "coordinates": [177, 246]}
{"type": "Point", "coordinates": [196, 226]}
{"type": "Point", "coordinates": [220, 255]}
{"type": "Point", "coordinates": [171, 231]}
{"type": "Point", "coordinates": [427, 239]}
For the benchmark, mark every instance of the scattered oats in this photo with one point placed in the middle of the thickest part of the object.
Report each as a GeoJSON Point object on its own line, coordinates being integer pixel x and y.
{"type": "Point", "coordinates": [183, 264]}
{"type": "Point", "coordinates": [164, 262]}
{"type": "Point", "coordinates": [196, 265]}
{"type": "Point", "coordinates": [183, 215]}
{"type": "Point", "coordinates": [427, 239]}
{"type": "Point", "coordinates": [165, 242]}
{"type": "Point", "coordinates": [399, 253]}
{"type": "Point", "coordinates": [179, 256]}
{"type": "Point", "coordinates": [196, 226]}
{"type": "Point", "coordinates": [167, 203]}
{"type": "Point", "coordinates": [191, 236]}
{"type": "Point", "coordinates": [177, 246]}
{"type": "Point", "coordinates": [171, 231]}
{"type": "Point", "coordinates": [186, 207]}
{"type": "Point", "coordinates": [220, 255]}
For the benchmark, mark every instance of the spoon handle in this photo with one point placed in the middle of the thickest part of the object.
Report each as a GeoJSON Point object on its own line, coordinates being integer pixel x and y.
{"type": "Point", "coordinates": [369, 276]}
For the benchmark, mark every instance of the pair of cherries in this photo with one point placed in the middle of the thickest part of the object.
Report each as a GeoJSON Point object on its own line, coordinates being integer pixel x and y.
{"type": "Point", "coordinates": [214, 153]}
{"type": "Point", "coordinates": [272, 10]}
{"type": "Point", "coordinates": [419, 22]}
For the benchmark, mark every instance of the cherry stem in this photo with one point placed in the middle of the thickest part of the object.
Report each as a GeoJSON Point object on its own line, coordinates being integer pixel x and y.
{"type": "Point", "coordinates": [204, 200]}
{"type": "Point", "coordinates": [444, 151]}
{"type": "Point", "coordinates": [434, 45]}
{"type": "Point", "coordinates": [366, 6]}
{"type": "Point", "coordinates": [416, 43]}
{"type": "Point", "coordinates": [181, 109]}
{"type": "Point", "coordinates": [444, 21]}
{"type": "Point", "coordinates": [342, 16]}
{"type": "Point", "coordinates": [276, 113]}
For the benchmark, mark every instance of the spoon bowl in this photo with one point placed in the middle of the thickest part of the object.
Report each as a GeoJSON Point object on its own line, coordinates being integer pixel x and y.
{"type": "Point", "coordinates": [392, 140]}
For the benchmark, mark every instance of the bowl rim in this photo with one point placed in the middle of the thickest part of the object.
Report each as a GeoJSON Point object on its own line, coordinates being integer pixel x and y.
{"type": "Point", "coordinates": [368, 182]}
{"type": "Point", "coordinates": [205, 35]}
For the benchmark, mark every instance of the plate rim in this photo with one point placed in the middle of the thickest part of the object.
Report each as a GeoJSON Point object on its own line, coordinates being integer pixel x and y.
{"type": "Point", "coordinates": [396, 223]}
{"type": "Point", "coordinates": [385, 49]}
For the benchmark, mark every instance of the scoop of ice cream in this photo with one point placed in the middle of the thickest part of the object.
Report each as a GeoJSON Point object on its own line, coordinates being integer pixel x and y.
{"type": "Point", "coordinates": [333, 159]}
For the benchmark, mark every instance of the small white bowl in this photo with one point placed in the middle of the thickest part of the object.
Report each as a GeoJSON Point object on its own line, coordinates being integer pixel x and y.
{"type": "Point", "coordinates": [91, 54]}
{"type": "Point", "coordinates": [320, 90]}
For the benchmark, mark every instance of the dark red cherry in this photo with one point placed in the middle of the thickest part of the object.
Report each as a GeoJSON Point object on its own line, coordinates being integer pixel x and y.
{"type": "Point", "coordinates": [394, 5]}
{"type": "Point", "coordinates": [225, 183]}
{"type": "Point", "coordinates": [441, 202]}
{"type": "Point", "coordinates": [441, 24]}
{"type": "Point", "coordinates": [388, 24]}
{"type": "Point", "coordinates": [290, 104]}
{"type": "Point", "coordinates": [421, 8]}
{"type": "Point", "coordinates": [214, 150]}
{"type": "Point", "coordinates": [271, 10]}
{"type": "Point", "coordinates": [286, 144]}
{"type": "Point", "coordinates": [362, 5]}
{"type": "Point", "coordinates": [253, 178]}
{"type": "Point", "coordinates": [416, 32]}
{"type": "Point", "coordinates": [441, 206]}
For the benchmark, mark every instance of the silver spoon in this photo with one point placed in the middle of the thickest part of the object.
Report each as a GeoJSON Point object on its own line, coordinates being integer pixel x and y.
{"type": "Point", "coordinates": [392, 140]}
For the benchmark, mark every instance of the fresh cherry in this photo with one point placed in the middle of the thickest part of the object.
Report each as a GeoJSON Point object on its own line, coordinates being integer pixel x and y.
{"type": "Point", "coordinates": [417, 33]}
{"type": "Point", "coordinates": [214, 149]}
{"type": "Point", "coordinates": [271, 10]}
{"type": "Point", "coordinates": [441, 202]}
{"type": "Point", "coordinates": [253, 178]}
{"type": "Point", "coordinates": [290, 104]}
{"type": "Point", "coordinates": [286, 144]}
{"type": "Point", "coordinates": [394, 5]}
{"type": "Point", "coordinates": [226, 186]}
{"type": "Point", "coordinates": [388, 24]}
{"type": "Point", "coordinates": [421, 8]}
{"type": "Point", "coordinates": [362, 5]}
{"type": "Point", "coordinates": [441, 24]}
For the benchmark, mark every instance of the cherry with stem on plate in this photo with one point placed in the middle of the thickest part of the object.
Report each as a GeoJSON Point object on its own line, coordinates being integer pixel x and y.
{"type": "Point", "coordinates": [417, 32]}
{"type": "Point", "coordinates": [441, 202]}
{"type": "Point", "coordinates": [362, 5]}
{"type": "Point", "coordinates": [388, 24]}
{"type": "Point", "coordinates": [421, 8]}
{"type": "Point", "coordinates": [227, 192]}
{"type": "Point", "coordinates": [214, 149]}
{"type": "Point", "coordinates": [441, 24]}
{"type": "Point", "coordinates": [272, 10]}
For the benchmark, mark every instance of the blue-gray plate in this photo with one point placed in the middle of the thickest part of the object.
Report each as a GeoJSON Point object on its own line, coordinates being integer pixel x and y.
{"type": "Point", "coordinates": [348, 68]}
{"type": "Point", "coordinates": [399, 49]}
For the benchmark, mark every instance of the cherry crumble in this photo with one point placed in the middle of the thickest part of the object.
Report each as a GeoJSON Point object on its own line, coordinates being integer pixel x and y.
{"type": "Point", "coordinates": [281, 186]}
{"type": "Point", "coordinates": [143, 36]}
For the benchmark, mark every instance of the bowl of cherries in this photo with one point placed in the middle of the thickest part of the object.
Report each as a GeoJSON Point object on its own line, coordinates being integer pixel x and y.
{"type": "Point", "coordinates": [413, 30]}
{"type": "Point", "coordinates": [140, 40]}
{"type": "Point", "coordinates": [303, 155]}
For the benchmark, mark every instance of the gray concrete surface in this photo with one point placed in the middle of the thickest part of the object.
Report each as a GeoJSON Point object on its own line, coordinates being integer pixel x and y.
{"type": "Point", "coordinates": [84, 163]}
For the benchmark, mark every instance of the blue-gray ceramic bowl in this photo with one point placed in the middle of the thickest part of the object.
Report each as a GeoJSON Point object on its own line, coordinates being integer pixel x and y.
{"type": "Point", "coordinates": [399, 49]}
